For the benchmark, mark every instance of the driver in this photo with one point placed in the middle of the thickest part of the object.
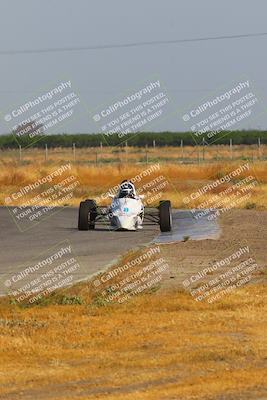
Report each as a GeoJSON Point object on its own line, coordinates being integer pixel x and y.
{"type": "Point", "coordinates": [127, 189]}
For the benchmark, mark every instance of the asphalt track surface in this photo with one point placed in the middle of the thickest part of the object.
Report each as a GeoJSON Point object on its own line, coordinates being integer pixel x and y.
{"type": "Point", "coordinates": [191, 225]}
{"type": "Point", "coordinates": [94, 250]}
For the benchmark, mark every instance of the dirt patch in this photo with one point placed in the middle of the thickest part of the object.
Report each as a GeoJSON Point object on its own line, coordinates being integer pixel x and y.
{"type": "Point", "coordinates": [239, 228]}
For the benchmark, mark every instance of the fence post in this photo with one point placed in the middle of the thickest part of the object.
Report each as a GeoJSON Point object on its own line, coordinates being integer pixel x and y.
{"type": "Point", "coordinates": [96, 158]}
{"type": "Point", "coordinates": [146, 154]}
{"type": "Point", "coordinates": [198, 150]}
{"type": "Point", "coordinates": [20, 153]}
{"type": "Point", "coordinates": [231, 148]}
{"type": "Point", "coordinates": [259, 148]}
{"type": "Point", "coordinates": [46, 152]}
{"type": "Point", "coordinates": [126, 151]}
{"type": "Point", "coordinates": [182, 149]}
{"type": "Point", "coordinates": [74, 151]}
{"type": "Point", "coordinates": [203, 149]}
{"type": "Point", "coordinates": [154, 143]}
{"type": "Point", "coordinates": [217, 153]}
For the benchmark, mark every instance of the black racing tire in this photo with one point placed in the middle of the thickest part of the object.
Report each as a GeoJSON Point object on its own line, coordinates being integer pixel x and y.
{"type": "Point", "coordinates": [165, 216]}
{"type": "Point", "coordinates": [87, 215]}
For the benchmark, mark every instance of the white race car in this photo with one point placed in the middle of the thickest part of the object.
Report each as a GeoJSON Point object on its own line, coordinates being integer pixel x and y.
{"type": "Point", "coordinates": [126, 212]}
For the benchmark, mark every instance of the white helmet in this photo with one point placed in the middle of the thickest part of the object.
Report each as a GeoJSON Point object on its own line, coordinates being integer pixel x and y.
{"type": "Point", "coordinates": [127, 189]}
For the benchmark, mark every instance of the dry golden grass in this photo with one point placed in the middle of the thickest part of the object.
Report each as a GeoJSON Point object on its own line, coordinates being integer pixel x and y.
{"type": "Point", "coordinates": [160, 346]}
{"type": "Point", "coordinates": [183, 179]}
{"type": "Point", "coordinates": [136, 155]}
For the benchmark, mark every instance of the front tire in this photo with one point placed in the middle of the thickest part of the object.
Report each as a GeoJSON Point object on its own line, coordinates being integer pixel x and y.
{"type": "Point", "coordinates": [87, 215]}
{"type": "Point", "coordinates": [165, 216]}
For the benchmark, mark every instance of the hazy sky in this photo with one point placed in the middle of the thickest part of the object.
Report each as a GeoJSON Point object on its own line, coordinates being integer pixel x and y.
{"type": "Point", "coordinates": [190, 71]}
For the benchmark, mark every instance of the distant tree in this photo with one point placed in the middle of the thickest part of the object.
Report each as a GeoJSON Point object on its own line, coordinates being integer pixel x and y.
{"type": "Point", "coordinates": [139, 139]}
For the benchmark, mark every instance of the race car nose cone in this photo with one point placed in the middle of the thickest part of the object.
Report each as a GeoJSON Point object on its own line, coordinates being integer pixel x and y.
{"type": "Point", "coordinates": [123, 222]}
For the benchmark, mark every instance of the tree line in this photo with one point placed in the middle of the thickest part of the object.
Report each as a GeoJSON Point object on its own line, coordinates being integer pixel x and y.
{"type": "Point", "coordinates": [139, 139]}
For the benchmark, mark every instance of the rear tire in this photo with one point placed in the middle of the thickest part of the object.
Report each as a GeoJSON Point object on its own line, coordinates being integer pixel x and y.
{"type": "Point", "coordinates": [165, 216]}
{"type": "Point", "coordinates": [87, 215]}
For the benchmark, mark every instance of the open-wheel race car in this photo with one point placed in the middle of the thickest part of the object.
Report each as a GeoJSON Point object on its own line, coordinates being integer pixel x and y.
{"type": "Point", "coordinates": [126, 212]}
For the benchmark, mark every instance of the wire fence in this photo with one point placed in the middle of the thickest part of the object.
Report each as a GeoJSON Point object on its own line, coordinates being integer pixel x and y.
{"type": "Point", "coordinates": [104, 155]}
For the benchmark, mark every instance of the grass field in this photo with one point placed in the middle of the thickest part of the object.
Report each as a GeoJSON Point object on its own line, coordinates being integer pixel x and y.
{"type": "Point", "coordinates": [94, 180]}
{"type": "Point", "coordinates": [127, 154]}
{"type": "Point", "coordinates": [161, 344]}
